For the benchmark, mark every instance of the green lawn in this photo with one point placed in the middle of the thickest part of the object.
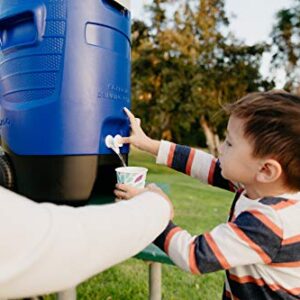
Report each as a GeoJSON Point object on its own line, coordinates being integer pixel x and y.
{"type": "Point", "coordinates": [198, 208]}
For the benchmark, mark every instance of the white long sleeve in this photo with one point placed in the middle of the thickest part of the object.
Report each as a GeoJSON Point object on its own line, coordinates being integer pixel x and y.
{"type": "Point", "coordinates": [46, 248]}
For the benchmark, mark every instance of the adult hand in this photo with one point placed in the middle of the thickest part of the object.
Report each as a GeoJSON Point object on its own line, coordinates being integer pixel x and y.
{"type": "Point", "coordinates": [126, 192]}
{"type": "Point", "coordinates": [138, 138]}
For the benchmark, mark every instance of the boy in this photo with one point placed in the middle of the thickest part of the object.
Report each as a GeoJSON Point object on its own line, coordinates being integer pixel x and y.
{"type": "Point", "coordinates": [259, 246]}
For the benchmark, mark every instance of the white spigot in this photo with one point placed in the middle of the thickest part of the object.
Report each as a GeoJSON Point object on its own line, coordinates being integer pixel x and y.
{"type": "Point", "coordinates": [113, 143]}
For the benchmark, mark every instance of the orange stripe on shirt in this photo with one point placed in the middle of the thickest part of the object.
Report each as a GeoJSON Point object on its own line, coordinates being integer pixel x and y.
{"type": "Point", "coordinates": [284, 204]}
{"type": "Point", "coordinates": [295, 291]}
{"type": "Point", "coordinates": [293, 264]}
{"type": "Point", "coordinates": [261, 282]}
{"type": "Point", "coordinates": [217, 252]}
{"type": "Point", "coordinates": [192, 260]}
{"type": "Point", "coordinates": [266, 259]}
{"type": "Point", "coordinates": [171, 154]}
{"type": "Point", "coordinates": [211, 171]}
{"type": "Point", "coordinates": [169, 237]}
{"type": "Point", "coordinates": [291, 240]}
{"type": "Point", "coordinates": [247, 279]}
{"type": "Point", "coordinates": [272, 226]}
{"type": "Point", "coordinates": [257, 281]}
{"type": "Point", "coordinates": [190, 162]}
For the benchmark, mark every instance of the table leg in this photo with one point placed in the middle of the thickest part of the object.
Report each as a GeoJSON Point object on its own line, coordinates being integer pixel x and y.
{"type": "Point", "coordinates": [155, 281]}
{"type": "Point", "coordinates": [67, 294]}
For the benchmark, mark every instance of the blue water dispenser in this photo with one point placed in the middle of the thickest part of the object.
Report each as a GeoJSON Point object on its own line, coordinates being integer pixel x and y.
{"type": "Point", "coordinates": [65, 78]}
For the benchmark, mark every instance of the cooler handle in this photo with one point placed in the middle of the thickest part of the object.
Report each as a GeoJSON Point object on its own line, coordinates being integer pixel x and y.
{"type": "Point", "coordinates": [22, 26]}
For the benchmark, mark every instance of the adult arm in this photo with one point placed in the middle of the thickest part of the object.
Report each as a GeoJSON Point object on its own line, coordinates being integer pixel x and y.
{"type": "Point", "coordinates": [46, 248]}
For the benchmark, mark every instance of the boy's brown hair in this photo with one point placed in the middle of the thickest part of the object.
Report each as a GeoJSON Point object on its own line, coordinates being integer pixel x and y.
{"type": "Point", "coordinates": [272, 125]}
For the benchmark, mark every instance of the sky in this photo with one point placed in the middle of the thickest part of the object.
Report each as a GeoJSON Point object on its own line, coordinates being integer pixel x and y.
{"type": "Point", "coordinates": [250, 21]}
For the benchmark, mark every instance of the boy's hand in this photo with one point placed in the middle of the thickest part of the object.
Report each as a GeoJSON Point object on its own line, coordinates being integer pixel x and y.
{"type": "Point", "coordinates": [138, 138]}
{"type": "Point", "coordinates": [126, 192]}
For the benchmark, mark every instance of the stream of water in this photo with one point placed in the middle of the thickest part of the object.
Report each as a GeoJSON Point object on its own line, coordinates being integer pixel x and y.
{"type": "Point", "coordinates": [121, 158]}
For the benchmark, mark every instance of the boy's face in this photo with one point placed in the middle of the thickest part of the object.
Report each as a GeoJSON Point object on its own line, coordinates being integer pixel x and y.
{"type": "Point", "coordinates": [236, 159]}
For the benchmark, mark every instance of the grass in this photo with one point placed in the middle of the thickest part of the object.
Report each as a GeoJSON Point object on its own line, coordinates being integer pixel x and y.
{"type": "Point", "coordinates": [198, 208]}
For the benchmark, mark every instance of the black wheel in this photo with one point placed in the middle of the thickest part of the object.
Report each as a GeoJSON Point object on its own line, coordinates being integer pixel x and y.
{"type": "Point", "coordinates": [6, 173]}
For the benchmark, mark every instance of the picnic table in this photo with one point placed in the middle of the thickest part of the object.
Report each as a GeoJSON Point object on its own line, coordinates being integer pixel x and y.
{"type": "Point", "coordinates": [151, 254]}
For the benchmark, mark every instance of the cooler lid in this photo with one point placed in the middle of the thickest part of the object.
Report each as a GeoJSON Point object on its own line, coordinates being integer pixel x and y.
{"type": "Point", "coordinates": [125, 3]}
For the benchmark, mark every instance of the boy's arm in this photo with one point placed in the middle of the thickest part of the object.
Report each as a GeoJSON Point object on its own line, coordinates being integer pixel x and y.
{"type": "Point", "coordinates": [196, 163]}
{"type": "Point", "coordinates": [46, 248]}
{"type": "Point", "coordinates": [193, 162]}
{"type": "Point", "coordinates": [250, 239]}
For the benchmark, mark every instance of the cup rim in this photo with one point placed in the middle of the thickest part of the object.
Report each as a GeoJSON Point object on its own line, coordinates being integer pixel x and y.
{"type": "Point", "coordinates": [131, 169]}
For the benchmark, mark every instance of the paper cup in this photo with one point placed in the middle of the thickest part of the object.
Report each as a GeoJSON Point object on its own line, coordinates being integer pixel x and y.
{"type": "Point", "coordinates": [133, 176]}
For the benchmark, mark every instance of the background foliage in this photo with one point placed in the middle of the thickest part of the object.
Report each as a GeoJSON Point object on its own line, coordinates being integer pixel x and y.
{"type": "Point", "coordinates": [185, 66]}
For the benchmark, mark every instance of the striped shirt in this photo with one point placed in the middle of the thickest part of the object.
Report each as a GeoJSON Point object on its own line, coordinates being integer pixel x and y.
{"type": "Point", "coordinates": [259, 246]}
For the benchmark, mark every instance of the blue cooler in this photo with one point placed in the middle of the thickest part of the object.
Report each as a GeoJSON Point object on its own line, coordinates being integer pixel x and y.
{"type": "Point", "coordinates": [65, 78]}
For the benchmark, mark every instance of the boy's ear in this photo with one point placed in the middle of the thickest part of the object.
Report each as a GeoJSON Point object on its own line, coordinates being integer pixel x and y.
{"type": "Point", "coordinates": [269, 172]}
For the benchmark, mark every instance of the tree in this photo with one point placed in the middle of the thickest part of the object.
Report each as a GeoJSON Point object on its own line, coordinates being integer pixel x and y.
{"type": "Point", "coordinates": [152, 72]}
{"type": "Point", "coordinates": [185, 68]}
{"type": "Point", "coordinates": [286, 44]}
{"type": "Point", "coordinates": [225, 68]}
